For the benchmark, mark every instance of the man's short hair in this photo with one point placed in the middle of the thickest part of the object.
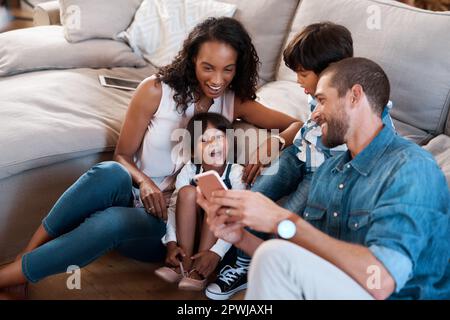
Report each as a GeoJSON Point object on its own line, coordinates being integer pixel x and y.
{"type": "Point", "coordinates": [318, 45]}
{"type": "Point", "coordinates": [372, 78]}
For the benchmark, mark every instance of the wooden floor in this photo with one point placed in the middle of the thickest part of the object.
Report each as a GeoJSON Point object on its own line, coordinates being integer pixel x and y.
{"type": "Point", "coordinates": [114, 277]}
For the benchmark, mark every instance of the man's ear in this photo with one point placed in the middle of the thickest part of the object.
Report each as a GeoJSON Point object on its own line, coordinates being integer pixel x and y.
{"type": "Point", "coordinates": [357, 93]}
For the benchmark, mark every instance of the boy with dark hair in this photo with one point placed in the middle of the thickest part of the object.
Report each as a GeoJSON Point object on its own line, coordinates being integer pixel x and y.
{"type": "Point", "coordinates": [309, 53]}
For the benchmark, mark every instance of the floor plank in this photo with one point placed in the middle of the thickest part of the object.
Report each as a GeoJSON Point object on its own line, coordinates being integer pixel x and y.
{"type": "Point", "coordinates": [114, 277]}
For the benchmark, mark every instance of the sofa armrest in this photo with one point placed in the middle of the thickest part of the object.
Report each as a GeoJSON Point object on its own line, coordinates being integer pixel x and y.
{"type": "Point", "coordinates": [46, 13]}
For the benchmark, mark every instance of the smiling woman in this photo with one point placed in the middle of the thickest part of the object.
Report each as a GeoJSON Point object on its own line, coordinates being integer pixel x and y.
{"type": "Point", "coordinates": [217, 60]}
{"type": "Point", "coordinates": [207, 63]}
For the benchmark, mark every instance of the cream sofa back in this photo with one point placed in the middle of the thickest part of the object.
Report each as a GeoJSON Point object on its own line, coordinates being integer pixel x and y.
{"type": "Point", "coordinates": [268, 22]}
{"type": "Point", "coordinates": [412, 46]}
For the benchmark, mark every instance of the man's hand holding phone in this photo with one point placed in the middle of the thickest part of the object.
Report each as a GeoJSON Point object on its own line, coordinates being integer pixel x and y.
{"type": "Point", "coordinates": [207, 183]}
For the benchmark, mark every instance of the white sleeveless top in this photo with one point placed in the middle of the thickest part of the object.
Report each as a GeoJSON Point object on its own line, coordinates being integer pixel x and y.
{"type": "Point", "coordinates": [158, 157]}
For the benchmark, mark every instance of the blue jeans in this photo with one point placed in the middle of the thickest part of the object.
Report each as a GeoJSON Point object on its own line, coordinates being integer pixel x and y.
{"type": "Point", "coordinates": [95, 215]}
{"type": "Point", "coordinates": [286, 177]}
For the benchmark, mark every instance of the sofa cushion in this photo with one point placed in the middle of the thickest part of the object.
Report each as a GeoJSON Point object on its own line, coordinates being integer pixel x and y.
{"type": "Point", "coordinates": [285, 96]}
{"type": "Point", "coordinates": [440, 148]}
{"type": "Point", "coordinates": [87, 19]}
{"type": "Point", "coordinates": [412, 133]}
{"type": "Point", "coordinates": [64, 114]}
{"type": "Point", "coordinates": [45, 47]}
{"type": "Point", "coordinates": [411, 45]}
{"type": "Point", "coordinates": [268, 22]}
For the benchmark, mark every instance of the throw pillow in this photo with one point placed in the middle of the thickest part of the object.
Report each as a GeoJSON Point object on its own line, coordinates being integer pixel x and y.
{"type": "Point", "coordinates": [45, 47]}
{"type": "Point", "coordinates": [87, 19]}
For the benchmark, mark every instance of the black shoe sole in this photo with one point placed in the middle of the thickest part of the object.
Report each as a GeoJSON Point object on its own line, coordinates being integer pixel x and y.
{"type": "Point", "coordinates": [225, 295]}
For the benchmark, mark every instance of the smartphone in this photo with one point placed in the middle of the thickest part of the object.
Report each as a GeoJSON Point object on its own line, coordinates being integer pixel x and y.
{"type": "Point", "coordinates": [119, 83]}
{"type": "Point", "coordinates": [208, 182]}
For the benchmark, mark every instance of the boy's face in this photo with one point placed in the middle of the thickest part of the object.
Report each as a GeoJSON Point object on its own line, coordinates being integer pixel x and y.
{"type": "Point", "coordinates": [307, 80]}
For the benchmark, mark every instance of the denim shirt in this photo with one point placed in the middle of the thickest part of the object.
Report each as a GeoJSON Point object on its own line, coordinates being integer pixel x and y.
{"type": "Point", "coordinates": [393, 199]}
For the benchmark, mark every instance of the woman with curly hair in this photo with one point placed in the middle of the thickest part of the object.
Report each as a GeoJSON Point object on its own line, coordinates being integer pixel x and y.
{"type": "Point", "coordinates": [122, 204]}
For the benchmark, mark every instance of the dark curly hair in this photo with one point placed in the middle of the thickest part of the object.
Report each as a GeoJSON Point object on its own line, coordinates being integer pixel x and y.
{"type": "Point", "coordinates": [180, 74]}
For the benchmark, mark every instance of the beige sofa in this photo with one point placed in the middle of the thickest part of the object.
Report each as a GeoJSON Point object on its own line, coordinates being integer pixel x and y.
{"type": "Point", "coordinates": [55, 124]}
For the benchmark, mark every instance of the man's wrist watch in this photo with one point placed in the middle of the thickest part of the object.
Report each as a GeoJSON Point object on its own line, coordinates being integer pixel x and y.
{"type": "Point", "coordinates": [281, 140]}
{"type": "Point", "coordinates": [287, 228]}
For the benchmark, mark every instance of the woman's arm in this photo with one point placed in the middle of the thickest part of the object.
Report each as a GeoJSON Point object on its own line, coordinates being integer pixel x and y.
{"type": "Point", "coordinates": [143, 105]}
{"type": "Point", "coordinates": [255, 113]}
{"type": "Point", "coordinates": [141, 109]}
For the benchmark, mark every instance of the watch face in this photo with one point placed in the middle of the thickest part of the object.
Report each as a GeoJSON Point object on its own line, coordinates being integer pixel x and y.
{"type": "Point", "coordinates": [286, 229]}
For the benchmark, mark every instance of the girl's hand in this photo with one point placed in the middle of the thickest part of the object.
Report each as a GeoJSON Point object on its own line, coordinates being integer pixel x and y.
{"type": "Point", "coordinates": [153, 199]}
{"type": "Point", "coordinates": [205, 262]}
{"type": "Point", "coordinates": [262, 157]}
{"type": "Point", "coordinates": [174, 254]}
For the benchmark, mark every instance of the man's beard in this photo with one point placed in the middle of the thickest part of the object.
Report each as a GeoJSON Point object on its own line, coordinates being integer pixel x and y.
{"type": "Point", "coordinates": [337, 128]}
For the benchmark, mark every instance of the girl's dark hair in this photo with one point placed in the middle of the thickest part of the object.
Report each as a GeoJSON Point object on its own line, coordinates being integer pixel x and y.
{"type": "Point", "coordinates": [318, 45]}
{"type": "Point", "coordinates": [180, 74]}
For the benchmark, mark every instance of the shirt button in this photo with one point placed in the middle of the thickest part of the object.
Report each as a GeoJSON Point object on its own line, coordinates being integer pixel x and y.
{"type": "Point", "coordinates": [348, 166]}
{"type": "Point", "coordinates": [341, 186]}
{"type": "Point", "coordinates": [356, 225]}
{"type": "Point", "coordinates": [335, 214]}
{"type": "Point", "coordinates": [306, 214]}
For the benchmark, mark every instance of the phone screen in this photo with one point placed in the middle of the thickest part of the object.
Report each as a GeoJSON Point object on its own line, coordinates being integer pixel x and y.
{"type": "Point", "coordinates": [122, 82]}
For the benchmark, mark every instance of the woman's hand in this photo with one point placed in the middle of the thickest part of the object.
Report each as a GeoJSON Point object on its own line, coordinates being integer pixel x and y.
{"type": "Point", "coordinates": [174, 254]}
{"type": "Point", "coordinates": [249, 208]}
{"type": "Point", "coordinates": [262, 157]}
{"type": "Point", "coordinates": [153, 199]}
{"type": "Point", "coordinates": [205, 262]}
